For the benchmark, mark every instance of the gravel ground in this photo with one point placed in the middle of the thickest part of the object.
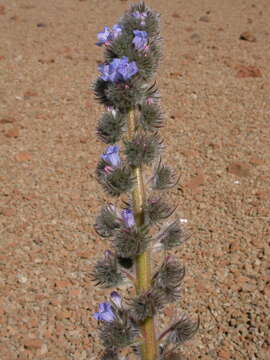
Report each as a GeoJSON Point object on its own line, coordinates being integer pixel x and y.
{"type": "Point", "coordinates": [214, 82]}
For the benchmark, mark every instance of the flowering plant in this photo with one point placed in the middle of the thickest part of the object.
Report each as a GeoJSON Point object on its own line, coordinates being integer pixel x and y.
{"type": "Point", "coordinates": [133, 115]}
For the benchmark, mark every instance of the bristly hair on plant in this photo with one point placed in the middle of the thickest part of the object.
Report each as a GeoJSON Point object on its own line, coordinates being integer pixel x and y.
{"type": "Point", "coordinates": [117, 329]}
{"type": "Point", "coordinates": [181, 331]}
{"type": "Point", "coordinates": [110, 127]}
{"type": "Point", "coordinates": [130, 243]}
{"type": "Point", "coordinates": [164, 178]}
{"type": "Point", "coordinates": [145, 305]}
{"type": "Point", "coordinates": [142, 149]}
{"type": "Point", "coordinates": [106, 272]}
{"type": "Point", "coordinates": [128, 92]}
{"type": "Point", "coordinates": [109, 354]}
{"type": "Point", "coordinates": [157, 210]}
{"type": "Point", "coordinates": [167, 280]}
{"type": "Point", "coordinates": [172, 235]}
{"type": "Point", "coordinates": [118, 334]}
{"type": "Point", "coordinates": [150, 117]}
{"type": "Point", "coordinates": [115, 182]}
{"type": "Point", "coordinates": [108, 221]}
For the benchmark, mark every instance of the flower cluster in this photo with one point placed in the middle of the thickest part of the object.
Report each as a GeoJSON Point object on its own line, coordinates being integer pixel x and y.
{"type": "Point", "coordinates": [132, 114]}
{"type": "Point", "coordinates": [118, 70]}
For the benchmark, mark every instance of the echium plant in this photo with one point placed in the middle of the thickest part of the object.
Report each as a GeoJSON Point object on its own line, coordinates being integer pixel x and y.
{"type": "Point", "coordinates": [132, 114]}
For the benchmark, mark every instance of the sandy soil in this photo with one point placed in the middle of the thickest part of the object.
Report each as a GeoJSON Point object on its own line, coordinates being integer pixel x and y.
{"type": "Point", "coordinates": [215, 93]}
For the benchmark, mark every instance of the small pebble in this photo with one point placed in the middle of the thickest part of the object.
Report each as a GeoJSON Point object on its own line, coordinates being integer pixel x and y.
{"type": "Point", "coordinates": [247, 36]}
{"type": "Point", "coordinates": [195, 37]}
{"type": "Point", "coordinates": [41, 25]}
{"type": "Point", "coordinates": [204, 18]}
{"type": "Point", "coordinates": [22, 279]}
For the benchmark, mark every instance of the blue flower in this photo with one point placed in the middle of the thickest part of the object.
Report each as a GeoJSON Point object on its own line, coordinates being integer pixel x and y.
{"type": "Point", "coordinates": [140, 40]}
{"type": "Point", "coordinates": [118, 70]}
{"type": "Point", "coordinates": [111, 156]}
{"type": "Point", "coordinates": [126, 69]}
{"type": "Point", "coordinates": [128, 217]}
{"type": "Point", "coordinates": [108, 35]}
{"type": "Point", "coordinates": [116, 31]}
{"type": "Point", "coordinates": [116, 299]}
{"type": "Point", "coordinates": [104, 313]}
{"type": "Point", "coordinates": [142, 16]}
{"type": "Point", "coordinates": [109, 71]}
{"type": "Point", "coordinates": [104, 36]}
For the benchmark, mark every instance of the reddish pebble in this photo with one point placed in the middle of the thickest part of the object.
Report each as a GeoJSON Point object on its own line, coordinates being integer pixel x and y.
{"type": "Point", "coordinates": [12, 133]}
{"type": "Point", "coordinates": [239, 169]}
{"type": "Point", "coordinates": [32, 343]}
{"type": "Point", "coordinates": [62, 284]}
{"type": "Point", "coordinates": [266, 291]}
{"type": "Point", "coordinates": [248, 71]}
{"type": "Point", "coordinates": [2, 10]}
{"type": "Point", "coordinates": [29, 94]}
{"type": "Point", "coordinates": [83, 140]}
{"type": "Point", "coordinates": [195, 182]}
{"type": "Point", "coordinates": [85, 254]}
{"type": "Point", "coordinates": [7, 120]}
{"type": "Point", "coordinates": [8, 212]}
{"type": "Point", "coordinates": [255, 161]}
{"type": "Point", "coordinates": [224, 354]}
{"type": "Point", "coordinates": [175, 74]}
{"type": "Point", "coordinates": [74, 292]}
{"type": "Point", "coordinates": [63, 315]}
{"type": "Point", "coordinates": [23, 156]}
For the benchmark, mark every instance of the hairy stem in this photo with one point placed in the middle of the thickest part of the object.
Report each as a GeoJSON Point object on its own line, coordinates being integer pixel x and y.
{"type": "Point", "coordinates": [143, 266]}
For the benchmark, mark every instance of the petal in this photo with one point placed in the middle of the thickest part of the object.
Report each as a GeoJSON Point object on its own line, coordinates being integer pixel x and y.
{"type": "Point", "coordinates": [96, 316]}
{"type": "Point", "coordinates": [104, 312]}
{"type": "Point", "coordinates": [128, 217]}
{"type": "Point", "coordinates": [111, 155]}
{"type": "Point", "coordinates": [103, 35]}
{"type": "Point", "coordinates": [102, 307]}
{"type": "Point", "coordinates": [133, 69]}
{"type": "Point", "coordinates": [104, 70]}
{"type": "Point", "coordinates": [108, 316]}
{"type": "Point", "coordinates": [116, 31]}
{"type": "Point", "coordinates": [116, 299]}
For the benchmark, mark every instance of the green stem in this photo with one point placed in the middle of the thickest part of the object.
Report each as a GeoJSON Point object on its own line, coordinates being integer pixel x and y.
{"type": "Point", "coordinates": [143, 265]}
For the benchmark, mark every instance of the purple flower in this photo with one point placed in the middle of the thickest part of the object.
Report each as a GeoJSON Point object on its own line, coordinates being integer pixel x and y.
{"type": "Point", "coordinates": [111, 156]}
{"type": "Point", "coordinates": [142, 16]}
{"type": "Point", "coordinates": [108, 35]}
{"type": "Point", "coordinates": [104, 36]}
{"type": "Point", "coordinates": [126, 69]}
{"type": "Point", "coordinates": [116, 299]}
{"type": "Point", "coordinates": [128, 217]}
{"type": "Point", "coordinates": [116, 31]}
{"type": "Point", "coordinates": [109, 71]}
{"type": "Point", "coordinates": [118, 70]}
{"type": "Point", "coordinates": [140, 40]}
{"type": "Point", "coordinates": [104, 312]}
